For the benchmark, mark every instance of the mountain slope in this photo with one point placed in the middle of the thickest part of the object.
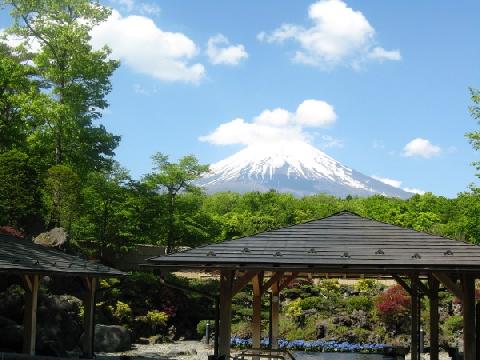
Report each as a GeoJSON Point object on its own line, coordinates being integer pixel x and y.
{"type": "Point", "coordinates": [295, 167]}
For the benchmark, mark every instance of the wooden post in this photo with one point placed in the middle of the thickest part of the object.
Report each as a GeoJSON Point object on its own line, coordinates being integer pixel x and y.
{"type": "Point", "coordinates": [31, 283]}
{"type": "Point", "coordinates": [275, 314]}
{"type": "Point", "coordinates": [434, 319]}
{"type": "Point", "coordinates": [226, 282]}
{"type": "Point", "coordinates": [468, 305]}
{"type": "Point", "coordinates": [257, 283]}
{"type": "Point", "coordinates": [477, 327]}
{"type": "Point", "coordinates": [89, 317]}
{"type": "Point", "coordinates": [414, 348]}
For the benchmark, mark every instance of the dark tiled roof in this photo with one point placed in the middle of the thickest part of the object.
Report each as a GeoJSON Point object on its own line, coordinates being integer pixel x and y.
{"type": "Point", "coordinates": [23, 256]}
{"type": "Point", "coordinates": [341, 241]}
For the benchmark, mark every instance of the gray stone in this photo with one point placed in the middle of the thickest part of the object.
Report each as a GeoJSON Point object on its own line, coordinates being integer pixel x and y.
{"type": "Point", "coordinates": [112, 338]}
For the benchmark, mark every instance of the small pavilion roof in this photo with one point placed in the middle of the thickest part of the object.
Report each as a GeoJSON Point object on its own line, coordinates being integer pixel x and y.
{"type": "Point", "coordinates": [21, 256]}
{"type": "Point", "coordinates": [343, 243]}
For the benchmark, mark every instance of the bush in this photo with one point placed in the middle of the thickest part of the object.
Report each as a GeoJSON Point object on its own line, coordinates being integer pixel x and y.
{"type": "Point", "coordinates": [393, 306]}
{"type": "Point", "coordinates": [155, 319]}
{"type": "Point", "coordinates": [202, 325]}
{"type": "Point", "coordinates": [454, 323]}
{"type": "Point", "coordinates": [121, 312]}
{"type": "Point", "coordinates": [367, 286]}
{"type": "Point", "coordinates": [359, 303]}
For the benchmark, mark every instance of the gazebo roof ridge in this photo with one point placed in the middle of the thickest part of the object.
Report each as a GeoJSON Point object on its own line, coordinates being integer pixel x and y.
{"type": "Point", "coordinates": [342, 240]}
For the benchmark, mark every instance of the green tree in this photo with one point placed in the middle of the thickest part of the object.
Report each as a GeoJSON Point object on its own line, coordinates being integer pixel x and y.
{"type": "Point", "coordinates": [61, 196]}
{"type": "Point", "coordinates": [75, 79]}
{"type": "Point", "coordinates": [16, 90]}
{"type": "Point", "coordinates": [102, 220]}
{"type": "Point", "coordinates": [19, 197]}
{"type": "Point", "coordinates": [474, 136]}
{"type": "Point", "coordinates": [172, 179]}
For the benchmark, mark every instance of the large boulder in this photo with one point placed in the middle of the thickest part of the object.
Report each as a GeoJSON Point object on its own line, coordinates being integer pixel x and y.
{"type": "Point", "coordinates": [112, 338]}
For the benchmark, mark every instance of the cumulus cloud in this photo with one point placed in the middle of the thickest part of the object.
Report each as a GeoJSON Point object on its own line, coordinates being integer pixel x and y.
{"type": "Point", "coordinates": [338, 35]}
{"type": "Point", "coordinates": [277, 125]}
{"type": "Point", "coordinates": [398, 184]}
{"type": "Point", "coordinates": [131, 6]}
{"type": "Point", "coordinates": [422, 148]}
{"type": "Point", "coordinates": [147, 49]}
{"type": "Point", "coordinates": [220, 51]}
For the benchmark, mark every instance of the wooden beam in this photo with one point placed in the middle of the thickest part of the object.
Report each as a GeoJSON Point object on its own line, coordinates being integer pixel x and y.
{"type": "Point", "coordinates": [433, 285]}
{"type": "Point", "coordinates": [287, 281]}
{"type": "Point", "coordinates": [415, 328]}
{"type": "Point", "coordinates": [257, 283]}
{"type": "Point", "coordinates": [242, 281]}
{"type": "Point", "coordinates": [468, 306]}
{"type": "Point", "coordinates": [89, 316]}
{"type": "Point", "coordinates": [274, 279]}
{"type": "Point", "coordinates": [226, 283]}
{"type": "Point", "coordinates": [403, 284]}
{"type": "Point", "coordinates": [275, 305]}
{"type": "Point", "coordinates": [32, 283]}
{"type": "Point", "coordinates": [449, 284]}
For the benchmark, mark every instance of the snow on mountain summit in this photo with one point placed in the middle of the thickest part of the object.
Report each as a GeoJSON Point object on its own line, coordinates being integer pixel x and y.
{"type": "Point", "coordinates": [291, 166]}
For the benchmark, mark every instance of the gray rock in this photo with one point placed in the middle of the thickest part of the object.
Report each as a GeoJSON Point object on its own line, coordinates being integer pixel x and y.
{"type": "Point", "coordinates": [112, 338]}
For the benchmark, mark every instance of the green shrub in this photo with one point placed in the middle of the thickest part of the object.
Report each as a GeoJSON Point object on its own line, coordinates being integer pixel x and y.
{"type": "Point", "coordinates": [367, 286]}
{"type": "Point", "coordinates": [359, 303]}
{"type": "Point", "coordinates": [155, 319]}
{"type": "Point", "coordinates": [454, 323]}
{"type": "Point", "coordinates": [202, 325]}
{"type": "Point", "coordinates": [242, 329]}
{"type": "Point", "coordinates": [121, 312]}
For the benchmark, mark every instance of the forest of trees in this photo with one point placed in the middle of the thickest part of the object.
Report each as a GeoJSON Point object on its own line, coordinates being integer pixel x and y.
{"type": "Point", "coordinates": [58, 167]}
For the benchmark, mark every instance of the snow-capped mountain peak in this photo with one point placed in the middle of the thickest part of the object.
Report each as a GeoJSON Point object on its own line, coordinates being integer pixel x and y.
{"type": "Point", "coordinates": [291, 166]}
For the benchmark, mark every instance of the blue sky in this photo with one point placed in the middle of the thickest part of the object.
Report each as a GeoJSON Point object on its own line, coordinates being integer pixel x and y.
{"type": "Point", "coordinates": [390, 85]}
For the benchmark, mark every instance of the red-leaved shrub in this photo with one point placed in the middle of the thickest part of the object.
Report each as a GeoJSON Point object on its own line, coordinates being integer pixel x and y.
{"type": "Point", "coordinates": [393, 306]}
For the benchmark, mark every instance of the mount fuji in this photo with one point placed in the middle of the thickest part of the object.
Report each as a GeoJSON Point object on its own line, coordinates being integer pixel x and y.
{"type": "Point", "coordinates": [294, 166]}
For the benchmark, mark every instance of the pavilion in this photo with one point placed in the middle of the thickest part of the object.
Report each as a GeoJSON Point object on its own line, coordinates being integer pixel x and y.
{"type": "Point", "coordinates": [347, 245]}
{"type": "Point", "coordinates": [29, 261]}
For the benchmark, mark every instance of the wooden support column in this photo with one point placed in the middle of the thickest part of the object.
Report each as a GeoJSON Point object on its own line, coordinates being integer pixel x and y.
{"type": "Point", "coordinates": [226, 281]}
{"type": "Point", "coordinates": [433, 285]}
{"type": "Point", "coordinates": [477, 327]}
{"type": "Point", "coordinates": [468, 305]}
{"type": "Point", "coordinates": [275, 314]}
{"type": "Point", "coordinates": [415, 328]}
{"type": "Point", "coordinates": [257, 283]}
{"type": "Point", "coordinates": [89, 316]}
{"type": "Point", "coordinates": [31, 284]}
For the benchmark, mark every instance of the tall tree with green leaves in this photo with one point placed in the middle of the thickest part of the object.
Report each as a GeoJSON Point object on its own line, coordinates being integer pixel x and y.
{"type": "Point", "coordinates": [474, 136]}
{"type": "Point", "coordinates": [20, 204]}
{"type": "Point", "coordinates": [75, 79]}
{"type": "Point", "coordinates": [17, 89]}
{"type": "Point", "coordinates": [172, 179]}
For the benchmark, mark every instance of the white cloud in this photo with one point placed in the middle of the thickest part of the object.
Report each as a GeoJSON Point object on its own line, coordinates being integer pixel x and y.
{"type": "Point", "coordinates": [414, 190]}
{"type": "Point", "coordinates": [220, 51]}
{"type": "Point", "coordinates": [147, 49]}
{"type": "Point", "coordinates": [398, 184]}
{"type": "Point", "coordinates": [380, 53]}
{"type": "Point", "coordinates": [275, 125]}
{"type": "Point", "coordinates": [391, 182]}
{"type": "Point", "coordinates": [131, 6]}
{"type": "Point", "coordinates": [338, 35]}
{"type": "Point", "coordinates": [315, 113]}
{"type": "Point", "coordinates": [421, 147]}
